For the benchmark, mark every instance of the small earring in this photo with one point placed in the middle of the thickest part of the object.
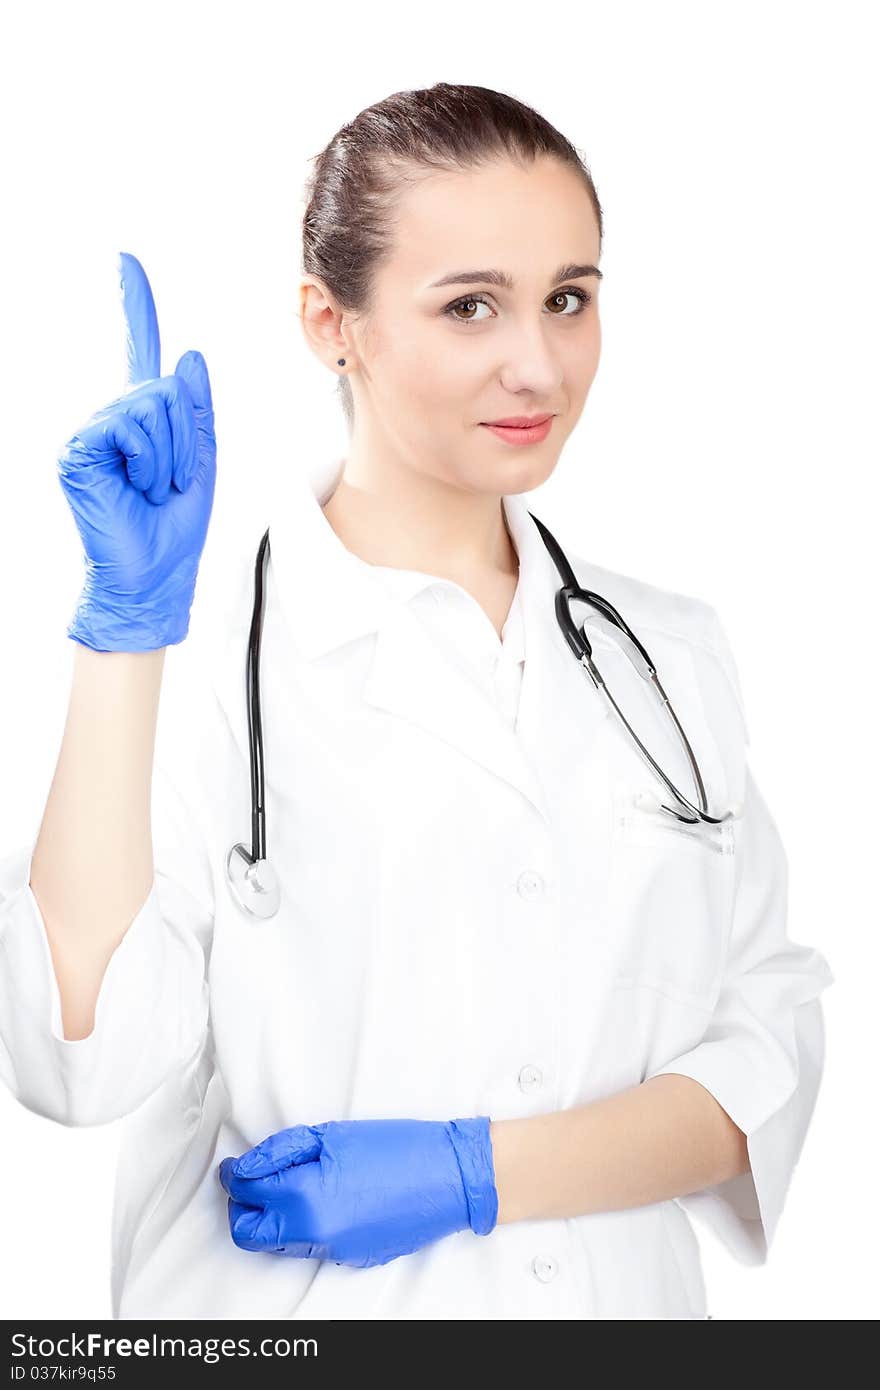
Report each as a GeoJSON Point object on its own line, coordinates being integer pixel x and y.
{"type": "Point", "coordinates": [340, 362]}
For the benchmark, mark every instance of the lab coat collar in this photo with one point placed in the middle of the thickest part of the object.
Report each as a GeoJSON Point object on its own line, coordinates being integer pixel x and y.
{"type": "Point", "coordinates": [556, 719]}
{"type": "Point", "coordinates": [329, 597]}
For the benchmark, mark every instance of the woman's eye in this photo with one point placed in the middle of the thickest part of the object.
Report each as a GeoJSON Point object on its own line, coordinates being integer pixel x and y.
{"type": "Point", "coordinates": [580, 295]}
{"type": "Point", "coordinates": [470, 302]}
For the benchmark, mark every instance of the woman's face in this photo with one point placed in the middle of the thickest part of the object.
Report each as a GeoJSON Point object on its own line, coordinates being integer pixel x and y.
{"type": "Point", "coordinates": [433, 362]}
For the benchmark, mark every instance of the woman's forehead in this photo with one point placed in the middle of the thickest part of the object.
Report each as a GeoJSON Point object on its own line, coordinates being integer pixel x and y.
{"type": "Point", "coordinates": [480, 220]}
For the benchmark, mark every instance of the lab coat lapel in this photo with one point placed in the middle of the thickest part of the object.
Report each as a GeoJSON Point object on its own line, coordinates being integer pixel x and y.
{"type": "Point", "coordinates": [559, 714]}
{"type": "Point", "coordinates": [411, 678]}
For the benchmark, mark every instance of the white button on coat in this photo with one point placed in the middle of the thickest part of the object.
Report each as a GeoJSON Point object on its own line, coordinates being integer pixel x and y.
{"type": "Point", "coordinates": [401, 977]}
{"type": "Point", "coordinates": [529, 884]}
{"type": "Point", "coordinates": [544, 1268]}
{"type": "Point", "coordinates": [530, 1078]}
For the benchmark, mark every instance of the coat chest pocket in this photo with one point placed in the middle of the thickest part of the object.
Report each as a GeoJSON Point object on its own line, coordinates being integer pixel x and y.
{"type": "Point", "coordinates": [670, 900]}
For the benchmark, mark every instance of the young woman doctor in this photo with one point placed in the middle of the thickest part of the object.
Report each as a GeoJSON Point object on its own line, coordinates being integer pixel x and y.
{"type": "Point", "coordinates": [510, 1027]}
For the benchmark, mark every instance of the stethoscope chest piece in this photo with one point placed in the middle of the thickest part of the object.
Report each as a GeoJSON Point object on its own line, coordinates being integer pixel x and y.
{"type": "Point", "coordinates": [253, 883]}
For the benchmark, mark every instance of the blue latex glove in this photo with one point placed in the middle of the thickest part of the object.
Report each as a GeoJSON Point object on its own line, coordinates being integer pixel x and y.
{"type": "Point", "coordinates": [139, 477]}
{"type": "Point", "coordinates": [362, 1192]}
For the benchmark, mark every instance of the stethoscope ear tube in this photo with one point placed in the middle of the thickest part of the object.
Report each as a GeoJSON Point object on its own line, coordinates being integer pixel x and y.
{"type": "Point", "coordinates": [252, 880]}
{"type": "Point", "coordinates": [255, 717]}
{"type": "Point", "coordinates": [579, 644]}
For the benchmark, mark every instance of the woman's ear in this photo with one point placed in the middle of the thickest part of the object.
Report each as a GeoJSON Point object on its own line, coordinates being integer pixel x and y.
{"type": "Point", "coordinates": [321, 319]}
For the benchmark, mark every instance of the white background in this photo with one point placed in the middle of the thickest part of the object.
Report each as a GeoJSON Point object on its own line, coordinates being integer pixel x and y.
{"type": "Point", "coordinates": [728, 448]}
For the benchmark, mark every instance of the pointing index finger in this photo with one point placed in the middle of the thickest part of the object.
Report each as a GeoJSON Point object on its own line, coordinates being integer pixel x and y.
{"type": "Point", "coordinates": [141, 324]}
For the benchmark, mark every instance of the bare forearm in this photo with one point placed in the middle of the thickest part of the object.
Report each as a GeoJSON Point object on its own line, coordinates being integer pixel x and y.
{"type": "Point", "coordinates": [648, 1143]}
{"type": "Point", "coordinates": [92, 866]}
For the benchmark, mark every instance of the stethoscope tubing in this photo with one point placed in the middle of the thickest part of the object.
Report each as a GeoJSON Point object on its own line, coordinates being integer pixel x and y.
{"type": "Point", "coordinates": [252, 880]}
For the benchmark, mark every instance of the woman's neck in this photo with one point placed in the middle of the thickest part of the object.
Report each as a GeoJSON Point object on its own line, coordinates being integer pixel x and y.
{"type": "Point", "coordinates": [450, 534]}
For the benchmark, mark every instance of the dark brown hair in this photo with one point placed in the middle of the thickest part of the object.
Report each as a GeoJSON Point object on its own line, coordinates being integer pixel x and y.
{"type": "Point", "coordinates": [347, 226]}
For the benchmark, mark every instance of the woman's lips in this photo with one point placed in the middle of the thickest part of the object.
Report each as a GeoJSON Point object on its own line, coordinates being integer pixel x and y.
{"type": "Point", "coordinates": [521, 434]}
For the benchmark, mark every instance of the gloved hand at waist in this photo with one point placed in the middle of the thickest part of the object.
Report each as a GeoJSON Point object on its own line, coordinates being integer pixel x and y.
{"type": "Point", "coordinates": [362, 1192]}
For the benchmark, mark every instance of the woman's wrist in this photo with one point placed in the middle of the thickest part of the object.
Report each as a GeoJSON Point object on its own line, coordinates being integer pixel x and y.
{"type": "Point", "coordinates": [500, 1136]}
{"type": "Point", "coordinates": [516, 1147]}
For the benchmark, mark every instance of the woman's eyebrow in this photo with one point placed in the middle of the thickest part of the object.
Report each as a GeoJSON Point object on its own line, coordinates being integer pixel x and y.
{"type": "Point", "coordinates": [500, 277]}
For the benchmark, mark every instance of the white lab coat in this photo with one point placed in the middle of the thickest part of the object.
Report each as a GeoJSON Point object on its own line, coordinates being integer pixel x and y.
{"type": "Point", "coordinates": [478, 917]}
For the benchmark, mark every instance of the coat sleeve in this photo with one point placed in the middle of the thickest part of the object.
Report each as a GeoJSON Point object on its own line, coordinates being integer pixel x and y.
{"type": "Point", "coordinates": [762, 1054]}
{"type": "Point", "coordinates": [152, 1009]}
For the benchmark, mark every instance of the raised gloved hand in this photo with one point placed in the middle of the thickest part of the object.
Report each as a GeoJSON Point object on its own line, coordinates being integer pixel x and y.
{"type": "Point", "coordinates": [362, 1192]}
{"type": "Point", "coordinates": [139, 477]}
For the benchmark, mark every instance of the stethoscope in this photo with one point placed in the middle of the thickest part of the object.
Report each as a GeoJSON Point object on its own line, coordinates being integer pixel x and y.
{"type": "Point", "coordinates": [252, 880]}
